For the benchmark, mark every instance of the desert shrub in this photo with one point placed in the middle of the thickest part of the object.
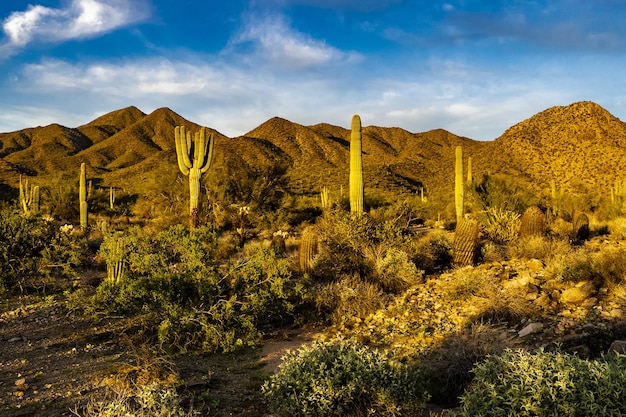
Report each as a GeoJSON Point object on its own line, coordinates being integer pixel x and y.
{"type": "Point", "coordinates": [395, 272]}
{"type": "Point", "coordinates": [500, 192]}
{"type": "Point", "coordinates": [499, 225]}
{"type": "Point", "coordinates": [447, 368]}
{"type": "Point", "coordinates": [346, 299]}
{"type": "Point", "coordinates": [432, 252]}
{"type": "Point", "coordinates": [546, 384]}
{"type": "Point", "coordinates": [539, 247]}
{"type": "Point", "coordinates": [617, 228]}
{"type": "Point", "coordinates": [151, 400]}
{"type": "Point", "coordinates": [340, 378]}
{"type": "Point", "coordinates": [173, 278]}
{"type": "Point", "coordinates": [35, 253]}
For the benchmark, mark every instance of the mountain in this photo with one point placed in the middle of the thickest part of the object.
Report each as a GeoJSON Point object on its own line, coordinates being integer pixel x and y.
{"type": "Point", "coordinates": [579, 146]}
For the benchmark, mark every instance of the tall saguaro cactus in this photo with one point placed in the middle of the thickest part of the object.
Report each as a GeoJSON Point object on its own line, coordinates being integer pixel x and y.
{"type": "Point", "coordinates": [459, 188]}
{"type": "Point", "coordinates": [82, 195]}
{"type": "Point", "coordinates": [29, 197]}
{"type": "Point", "coordinates": [194, 159]}
{"type": "Point", "coordinates": [356, 167]}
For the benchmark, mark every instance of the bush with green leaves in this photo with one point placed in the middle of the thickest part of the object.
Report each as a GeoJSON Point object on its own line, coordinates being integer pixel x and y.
{"type": "Point", "coordinates": [35, 253]}
{"type": "Point", "coordinates": [546, 384]}
{"type": "Point", "coordinates": [173, 278]}
{"type": "Point", "coordinates": [338, 378]}
{"type": "Point", "coordinates": [150, 400]}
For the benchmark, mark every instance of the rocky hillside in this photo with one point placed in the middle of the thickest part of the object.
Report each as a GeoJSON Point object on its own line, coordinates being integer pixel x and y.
{"type": "Point", "coordinates": [580, 146]}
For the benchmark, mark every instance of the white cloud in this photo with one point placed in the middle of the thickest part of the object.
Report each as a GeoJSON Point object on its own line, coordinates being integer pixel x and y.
{"type": "Point", "coordinates": [80, 19]}
{"type": "Point", "coordinates": [276, 42]}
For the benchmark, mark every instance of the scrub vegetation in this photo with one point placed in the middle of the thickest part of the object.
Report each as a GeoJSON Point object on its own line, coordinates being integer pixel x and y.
{"type": "Point", "coordinates": [389, 279]}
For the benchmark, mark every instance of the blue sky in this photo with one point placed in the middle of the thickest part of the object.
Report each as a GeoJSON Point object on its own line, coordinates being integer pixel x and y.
{"type": "Point", "coordinates": [473, 67]}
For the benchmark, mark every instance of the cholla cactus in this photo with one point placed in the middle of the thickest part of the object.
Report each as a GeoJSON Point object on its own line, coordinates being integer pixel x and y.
{"type": "Point", "coordinates": [278, 242]}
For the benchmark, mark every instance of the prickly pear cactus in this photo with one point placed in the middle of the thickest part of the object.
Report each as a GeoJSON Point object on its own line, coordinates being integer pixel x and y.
{"type": "Point", "coordinates": [465, 241]}
{"type": "Point", "coordinates": [581, 226]}
{"type": "Point", "coordinates": [532, 222]}
{"type": "Point", "coordinates": [308, 248]}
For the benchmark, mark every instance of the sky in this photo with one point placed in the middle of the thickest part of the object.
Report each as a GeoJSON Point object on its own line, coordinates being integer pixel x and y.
{"type": "Point", "coordinates": [472, 67]}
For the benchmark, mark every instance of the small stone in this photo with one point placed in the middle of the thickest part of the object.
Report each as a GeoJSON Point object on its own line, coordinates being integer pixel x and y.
{"type": "Point", "coordinates": [530, 329]}
{"type": "Point", "coordinates": [15, 339]}
{"type": "Point", "coordinates": [20, 381]}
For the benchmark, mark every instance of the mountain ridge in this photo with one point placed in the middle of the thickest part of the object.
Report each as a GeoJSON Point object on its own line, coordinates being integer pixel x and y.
{"type": "Point", "coordinates": [579, 146]}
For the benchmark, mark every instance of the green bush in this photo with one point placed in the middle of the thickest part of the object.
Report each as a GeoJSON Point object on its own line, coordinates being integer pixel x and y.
{"type": "Point", "coordinates": [35, 253]}
{"type": "Point", "coordinates": [150, 400]}
{"type": "Point", "coordinates": [337, 378]}
{"type": "Point", "coordinates": [546, 384]}
{"type": "Point", "coordinates": [173, 278]}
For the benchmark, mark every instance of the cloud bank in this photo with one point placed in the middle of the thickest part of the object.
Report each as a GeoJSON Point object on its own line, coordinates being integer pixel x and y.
{"type": "Point", "coordinates": [80, 19]}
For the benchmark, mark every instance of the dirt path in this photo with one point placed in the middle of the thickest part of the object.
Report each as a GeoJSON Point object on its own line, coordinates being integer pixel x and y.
{"type": "Point", "coordinates": [52, 362]}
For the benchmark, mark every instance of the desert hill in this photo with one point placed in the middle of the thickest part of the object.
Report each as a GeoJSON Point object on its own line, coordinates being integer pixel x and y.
{"type": "Point", "coordinates": [580, 146]}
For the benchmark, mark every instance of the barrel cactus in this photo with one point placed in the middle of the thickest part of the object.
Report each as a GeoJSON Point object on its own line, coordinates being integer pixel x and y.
{"type": "Point", "coordinates": [581, 226]}
{"type": "Point", "coordinates": [465, 241]}
{"type": "Point", "coordinates": [532, 222]}
{"type": "Point", "coordinates": [308, 248]}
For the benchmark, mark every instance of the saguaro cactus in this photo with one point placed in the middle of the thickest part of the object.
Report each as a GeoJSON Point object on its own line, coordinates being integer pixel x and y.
{"type": "Point", "coordinates": [29, 197]}
{"type": "Point", "coordinates": [356, 167]}
{"type": "Point", "coordinates": [459, 187]}
{"type": "Point", "coordinates": [82, 195]}
{"type": "Point", "coordinates": [111, 198]}
{"type": "Point", "coordinates": [194, 159]}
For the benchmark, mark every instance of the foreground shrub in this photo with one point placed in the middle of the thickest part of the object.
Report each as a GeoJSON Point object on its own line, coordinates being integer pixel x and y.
{"type": "Point", "coordinates": [150, 400]}
{"type": "Point", "coordinates": [337, 378]}
{"type": "Point", "coordinates": [172, 278]}
{"type": "Point", "coordinates": [35, 253]}
{"type": "Point", "coordinates": [546, 384]}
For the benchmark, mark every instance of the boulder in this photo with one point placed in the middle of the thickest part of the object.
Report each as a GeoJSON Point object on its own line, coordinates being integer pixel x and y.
{"type": "Point", "coordinates": [578, 294]}
{"type": "Point", "coordinates": [530, 328]}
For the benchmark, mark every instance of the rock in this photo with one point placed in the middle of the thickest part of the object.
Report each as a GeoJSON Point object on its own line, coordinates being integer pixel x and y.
{"type": "Point", "coordinates": [530, 329]}
{"type": "Point", "coordinates": [576, 295]}
{"type": "Point", "coordinates": [15, 339]}
{"type": "Point", "coordinates": [618, 346]}
{"type": "Point", "coordinates": [21, 385]}
{"type": "Point", "coordinates": [581, 351]}
{"type": "Point", "coordinates": [535, 265]}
